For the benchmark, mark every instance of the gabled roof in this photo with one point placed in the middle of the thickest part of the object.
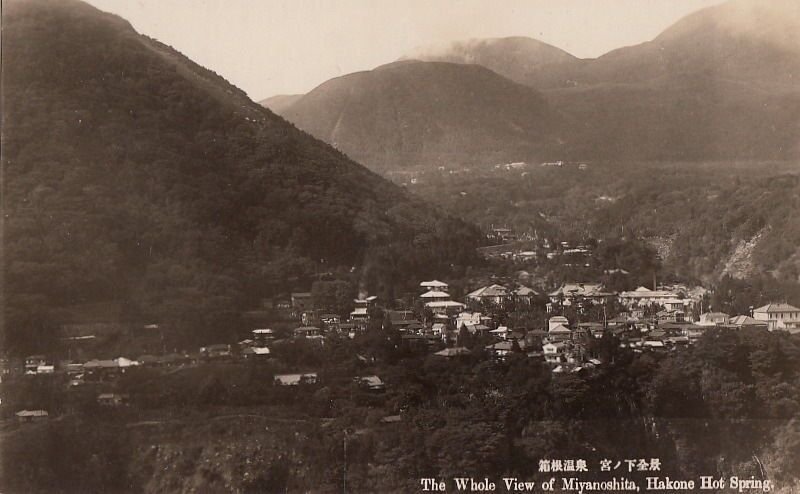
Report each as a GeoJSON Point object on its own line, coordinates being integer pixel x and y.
{"type": "Point", "coordinates": [443, 304]}
{"type": "Point", "coordinates": [746, 321]}
{"type": "Point", "coordinates": [582, 289]}
{"type": "Point", "coordinates": [453, 352]}
{"type": "Point", "coordinates": [501, 346]}
{"type": "Point", "coordinates": [777, 307]}
{"type": "Point", "coordinates": [433, 284]}
{"type": "Point", "coordinates": [435, 294]}
{"type": "Point", "coordinates": [524, 291]}
{"type": "Point", "coordinates": [711, 316]}
{"type": "Point", "coordinates": [561, 329]}
{"type": "Point", "coordinates": [489, 291]}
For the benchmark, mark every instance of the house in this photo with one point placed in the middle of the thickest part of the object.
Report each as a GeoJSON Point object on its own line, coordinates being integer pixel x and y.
{"type": "Point", "coordinates": [501, 332]}
{"type": "Point", "coordinates": [330, 320]}
{"type": "Point", "coordinates": [45, 369]}
{"type": "Point", "coordinates": [350, 328]}
{"type": "Point", "coordinates": [362, 307]}
{"type": "Point", "coordinates": [256, 353]}
{"type": "Point", "coordinates": [33, 362]}
{"type": "Point", "coordinates": [476, 329]}
{"type": "Point", "coordinates": [502, 349]}
{"type": "Point", "coordinates": [434, 295]}
{"type": "Point", "coordinates": [644, 297]}
{"type": "Point", "coordinates": [554, 353]}
{"type": "Point", "coordinates": [654, 345]}
{"type": "Point", "coordinates": [32, 415]}
{"type": "Point", "coordinates": [557, 321]}
{"type": "Point", "coordinates": [112, 399]}
{"type": "Point", "coordinates": [742, 322]}
{"type": "Point", "coordinates": [671, 316]}
{"type": "Point", "coordinates": [559, 333]}
{"type": "Point", "coordinates": [472, 318]}
{"type": "Point", "coordinates": [572, 293]}
{"type": "Point", "coordinates": [453, 352]}
{"type": "Point", "coordinates": [779, 316]}
{"type": "Point", "coordinates": [307, 332]}
{"type": "Point", "coordinates": [263, 336]}
{"type": "Point", "coordinates": [713, 319]}
{"type": "Point", "coordinates": [492, 294]}
{"type": "Point", "coordinates": [693, 331]}
{"type": "Point", "coordinates": [302, 301]}
{"type": "Point", "coordinates": [524, 295]}
{"type": "Point", "coordinates": [372, 383]}
{"type": "Point", "coordinates": [217, 351]}
{"type": "Point", "coordinates": [102, 369]}
{"type": "Point", "coordinates": [295, 379]}
{"type": "Point", "coordinates": [445, 307]}
{"type": "Point", "coordinates": [434, 285]}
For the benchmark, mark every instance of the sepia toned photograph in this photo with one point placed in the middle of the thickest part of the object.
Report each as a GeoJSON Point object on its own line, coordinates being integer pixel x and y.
{"type": "Point", "coordinates": [418, 246]}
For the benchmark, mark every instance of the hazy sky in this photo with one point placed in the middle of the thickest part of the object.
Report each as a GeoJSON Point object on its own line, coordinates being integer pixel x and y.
{"type": "Point", "coordinates": [269, 47]}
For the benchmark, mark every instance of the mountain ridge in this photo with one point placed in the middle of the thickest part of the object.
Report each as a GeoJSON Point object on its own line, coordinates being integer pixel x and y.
{"type": "Point", "coordinates": [133, 174]}
{"type": "Point", "coordinates": [719, 84]}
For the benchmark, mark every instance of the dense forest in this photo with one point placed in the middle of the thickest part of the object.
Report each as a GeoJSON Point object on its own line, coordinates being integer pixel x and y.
{"type": "Point", "coordinates": [726, 406]}
{"type": "Point", "coordinates": [134, 176]}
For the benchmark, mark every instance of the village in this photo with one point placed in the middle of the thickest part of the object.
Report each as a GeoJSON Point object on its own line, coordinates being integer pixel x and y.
{"type": "Point", "coordinates": [577, 319]}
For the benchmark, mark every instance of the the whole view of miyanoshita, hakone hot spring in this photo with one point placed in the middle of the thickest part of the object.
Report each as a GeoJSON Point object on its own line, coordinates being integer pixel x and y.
{"type": "Point", "coordinates": [488, 262]}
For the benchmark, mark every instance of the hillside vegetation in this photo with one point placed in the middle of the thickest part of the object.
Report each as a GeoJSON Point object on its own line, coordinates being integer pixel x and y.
{"type": "Point", "coordinates": [133, 175]}
{"type": "Point", "coordinates": [700, 215]}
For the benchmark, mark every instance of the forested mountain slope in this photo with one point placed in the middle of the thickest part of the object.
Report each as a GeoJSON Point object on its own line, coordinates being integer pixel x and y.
{"type": "Point", "coordinates": [427, 113]}
{"type": "Point", "coordinates": [133, 175]}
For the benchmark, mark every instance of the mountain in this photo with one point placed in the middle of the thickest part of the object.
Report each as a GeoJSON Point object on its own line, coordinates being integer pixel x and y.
{"type": "Point", "coordinates": [722, 83]}
{"type": "Point", "coordinates": [432, 113]}
{"type": "Point", "coordinates": [523, 60]}
{"type": "Point", "coordinates": [719, 84]}
{"type": "Point", "coordinates": [280, 102]}
{"type": "Point", "coordinates": [133, 176]}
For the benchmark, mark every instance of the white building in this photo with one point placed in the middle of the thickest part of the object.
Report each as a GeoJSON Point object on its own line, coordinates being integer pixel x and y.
{"type": "Point", "coordinates": [779, 316]}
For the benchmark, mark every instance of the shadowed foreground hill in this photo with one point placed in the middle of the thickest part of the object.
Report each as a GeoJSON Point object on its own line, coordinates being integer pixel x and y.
{"type": "Point", "coordinates": [434, 113]}
{"type": "Point", "coordinates": [133, 175]}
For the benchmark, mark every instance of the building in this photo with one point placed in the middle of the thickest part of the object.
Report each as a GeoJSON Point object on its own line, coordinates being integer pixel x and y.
{"type": "Point", "coordinates": [263, 336]}
{"type": "Point", "coordinates": [362, 307]}
{"type": "Point", "coordinates": [524, 295]}
{"type": "Point", "coordinates": [779, 316]}
{"type": "Point", "coordinates": [33, 362]}
{"type": "Point", "coordinates": [571, 293]}
{"type": "Point", "coordinates": [713, 319]}
{"type": "Point", "coordinates": [302, 301]}
{"type": "Point", "coordinates": [32, 415]}
{"type": "Point", "coordinates": [559, 333]}
{"type": "Point", "coordinates": [218, 351]}
{"type": "Point", "coordinates": [372, 383]}
{"type": "Point", "coordinates": [434, 285]}
{"type": "Point", "coordinates": [557, 321]}
{"type": "Point", "coordinates": [492, 294]}
{"type": "Point", "coordinates": [555, 353]}
{"type": "Point", "coordinates": [256, 353]}
{"type": "Point", "coordinates": [445, 307]}
{"type": "Point", "coordinates": [295, 379]}
{"type": "Point", "coordinates": [742, 322]}
{"type": "Point", "coordinates": [307, 332]}
{"type": "Point", "coordinates": [112, 399]}
{"type": "Point", "coordinates": [643, 297]}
